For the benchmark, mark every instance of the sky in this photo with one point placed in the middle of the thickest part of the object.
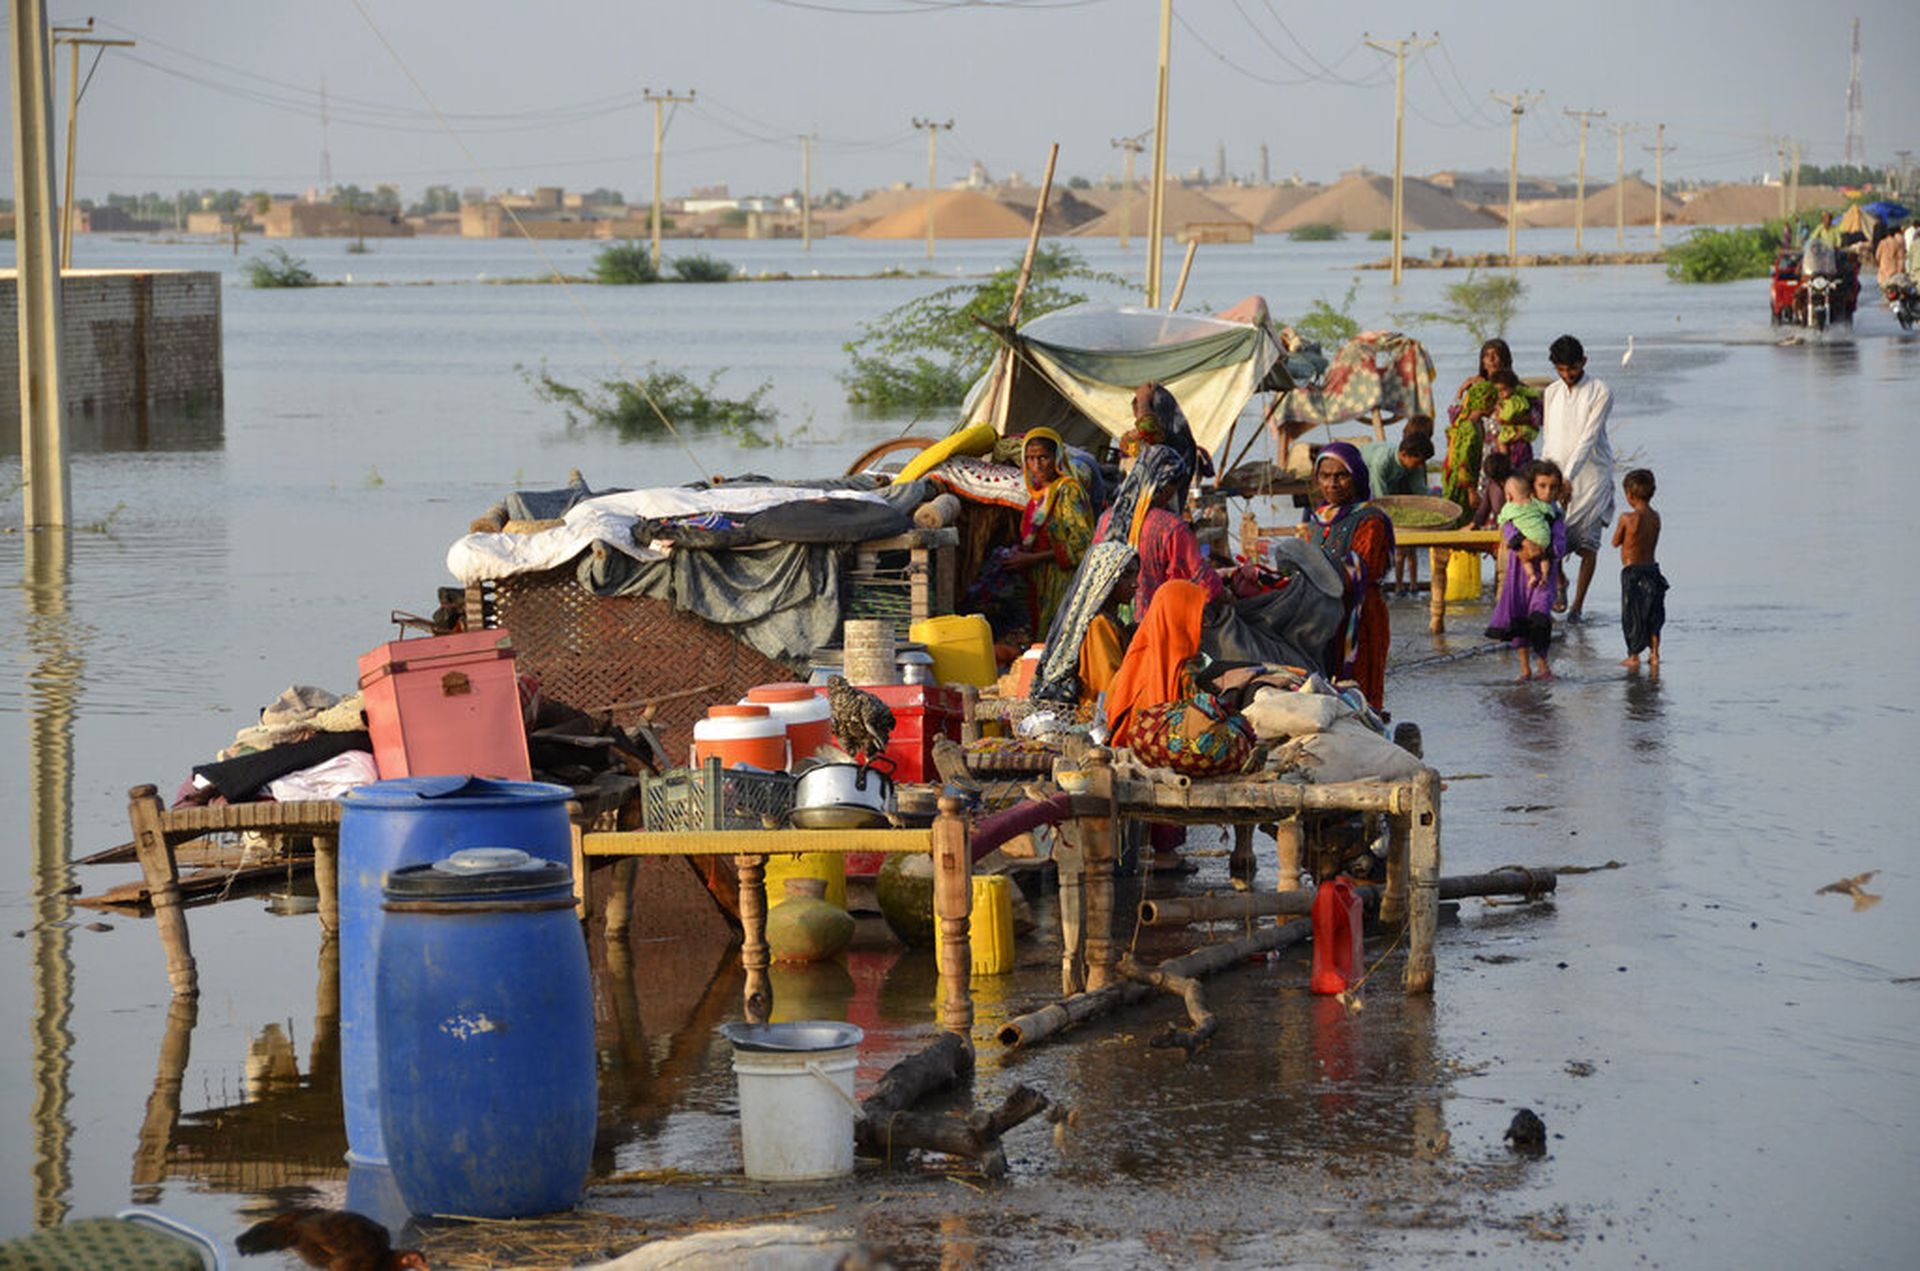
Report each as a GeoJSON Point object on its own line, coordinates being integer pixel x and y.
{"type": "Point", "coordinates": [226, 93]}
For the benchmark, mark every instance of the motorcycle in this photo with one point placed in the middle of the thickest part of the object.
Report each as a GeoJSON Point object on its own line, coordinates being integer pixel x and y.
{"type": "Point", "coordinates": [1903, 301]}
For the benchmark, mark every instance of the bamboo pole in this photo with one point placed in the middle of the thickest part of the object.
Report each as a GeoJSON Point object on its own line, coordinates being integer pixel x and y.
{"type": "Point", "coordinates": [1423, 863]}
{"type": "Point", "coordinates": [1099, 838]}
{"type": "Point", "coordinates": [1002, 384]}
{"type": "Point", "coordinates": [1037, 1026]}
{"type": "Point", "coordinates": [1178, 911]}
{"type": "Point", "coordinates": [752, 871]}
{"type": "Point", "coordinates": [163, 885]}
{"type": "Point", "coordinates": [1186, 268]}
{"type": "Point", "coordinates": [952, 913]}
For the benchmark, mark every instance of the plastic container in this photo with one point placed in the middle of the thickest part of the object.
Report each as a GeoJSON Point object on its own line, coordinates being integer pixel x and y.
{"type": "Point", "coordinates": [796, 1098]}
{"type": "Point", "coordinates": [1463, 576]}
{"type": "Point", "coordinates": [1339, 957]}
{"type": "Point", "coordinates": [446, 705]}
{"type": "Point", "coordinates": [990, 931]}
{"type": "Point", "coordinates": [1027, 668]}
{"type": "Point", "coordinates": [389, 825]}
{"type": "Point", "coordinates": [806, 717]}
{"type": "Point", "coordinates": [747, 735]}
{"type": "Point", "coordinates": [961, 645]}
{"type": "Point", "coordinates": [485, 1007]}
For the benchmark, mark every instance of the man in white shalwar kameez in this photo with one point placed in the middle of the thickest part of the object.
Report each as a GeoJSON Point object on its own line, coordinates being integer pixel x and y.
{"type": "Point", "coordinates": [1573, 434]}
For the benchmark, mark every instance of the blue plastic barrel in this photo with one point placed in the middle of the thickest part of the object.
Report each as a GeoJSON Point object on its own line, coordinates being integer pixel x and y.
{"type": "Point", "coordinates": [388, 825]}
{"type": "Point", "coordinates": [489, 1094]}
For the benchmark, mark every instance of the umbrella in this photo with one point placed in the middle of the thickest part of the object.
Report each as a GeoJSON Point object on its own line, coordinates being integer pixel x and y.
{"type": "Point", "coordinates": [1886, 211]}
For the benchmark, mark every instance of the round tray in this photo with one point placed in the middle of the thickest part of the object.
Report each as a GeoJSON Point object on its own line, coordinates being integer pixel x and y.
{"type": "Point", "coordinates": [1428, 503]}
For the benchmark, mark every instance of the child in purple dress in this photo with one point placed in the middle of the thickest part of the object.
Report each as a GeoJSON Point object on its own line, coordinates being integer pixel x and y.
{"type": "Point", "coordinates": [1524, 612]}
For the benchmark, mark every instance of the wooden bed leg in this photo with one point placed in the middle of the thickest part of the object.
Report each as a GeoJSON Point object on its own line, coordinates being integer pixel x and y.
{"type": "Point", "coordinates": [576, 831]}
{"type": "Point", "coordinates": [1424, 867]}
{"type": "Point", "coordinates": [1070, 865]}
{"type": "Point", "coordinates": [163, 879]}
{"type": "Point", "coordinates": [326, 882]}
{"type": "Point", "coordinates": [1099, 837]}
{"type": "Point", "coordinates": [620, 897]}
{"type": "Point", "coordinates": [1241, 863]}
{"type": "Point", "coordinates": [952, 913]}
{"type": "Point", "coordinates": [753, 947]}
{"type": "Point", "coordinates": [1393, 897]}
{"type": "Point", "coordinates": [1437, 558]}
{"type": "Point", "coordinates": [1286, 842]}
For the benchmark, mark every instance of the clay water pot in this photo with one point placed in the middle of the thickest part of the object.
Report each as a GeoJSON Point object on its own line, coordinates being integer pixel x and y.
{"type": "Point", "coordinates": [805, 927]}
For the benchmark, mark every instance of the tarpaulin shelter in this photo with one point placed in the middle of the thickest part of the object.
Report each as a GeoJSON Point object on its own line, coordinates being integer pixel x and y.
{"type": "Point", "coordinates": [1075, 370]}
{"type": "Point", "coordinates": [1376, 370]}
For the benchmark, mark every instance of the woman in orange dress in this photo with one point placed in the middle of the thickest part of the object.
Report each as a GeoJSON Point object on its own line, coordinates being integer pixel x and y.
{"type": "Point", "coordinates": [1358, 538]}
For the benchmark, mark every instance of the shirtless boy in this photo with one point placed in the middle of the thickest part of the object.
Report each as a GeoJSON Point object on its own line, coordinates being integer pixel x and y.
{"type": "Point", "coordinates": [1643, 589]}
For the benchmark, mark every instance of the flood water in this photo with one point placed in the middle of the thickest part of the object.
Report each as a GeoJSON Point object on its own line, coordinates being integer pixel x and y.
{"type": "Point", "coordinates": [1728, 1063]}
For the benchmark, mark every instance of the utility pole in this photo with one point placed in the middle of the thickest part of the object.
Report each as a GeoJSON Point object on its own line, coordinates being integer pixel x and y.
{"type": "Point", "coordinates": [43, 443]}
{"type": "Point", "coordinates": [933, 131]}
{"type": "Point", "coordinates": [1780, 151]}
{"type": "Point", "coordinates": [326, 147]}
{"type": "Point", "coordinates": [1659, 150]}
{"type": "Point", "coordinates": [1516, 104]}
{"type": "Point", "coordinates": [1906, 166]}
{"type": "Point", "coordinates": [1157, 196]}
{"type": "Point", "coordinates": [73, 37]}
{"type": "Point", "coordinates": [806, 192]}
{"type": "Point", "coordinates": [1132, 146]}
{"type": "Point", "coordinates": [1399, 50]}
{"type": "Point", "coordinates": [1793, 187]}
{"type": "Point", "coordinates": [1620, 132]}
{"type": "Point", "coordinates": [1856, 145]}
{"type": "Point", "coordinates": [1580, 187]}
{"type": "Point", "coordinates": [659, 101]}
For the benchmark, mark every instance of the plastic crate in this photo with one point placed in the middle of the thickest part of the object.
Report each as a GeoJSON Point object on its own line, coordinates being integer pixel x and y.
{"type": "Point", "coordinates": [714, 798]}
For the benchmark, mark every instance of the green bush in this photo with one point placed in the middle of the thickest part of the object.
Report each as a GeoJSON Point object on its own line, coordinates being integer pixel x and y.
{"type": "Point", "coordinates": [1724, 255]}
{"type": "Point", "coordinates": [633, 408]}
{"type": "Point", "coordinates": [625, 263]}
{"type": "Point", "coordinates": [1328, 326]}
{"type": "Point", "coordinates": [1483, 306]}
{"type": "Point", "coordinates": [278, 269]}
{"type": "Point", "coordinates": [1379, 236]}
{"type": "Point", "coordinates": [1317, 232]}
{"type": "Point", "coordinates": [926, 353]}
{"type": "Point", "coordinates": [701, 268]}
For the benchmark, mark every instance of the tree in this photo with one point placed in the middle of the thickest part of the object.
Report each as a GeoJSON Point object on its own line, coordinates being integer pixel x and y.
{"type": "Point", "coordinates": [925, 353]}
{"type": "Point", "coordinates": [1079, 183]}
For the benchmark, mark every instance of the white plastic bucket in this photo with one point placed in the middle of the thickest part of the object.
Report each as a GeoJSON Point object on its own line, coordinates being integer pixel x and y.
{"type": "Point", "coordinates": [796, 1098]}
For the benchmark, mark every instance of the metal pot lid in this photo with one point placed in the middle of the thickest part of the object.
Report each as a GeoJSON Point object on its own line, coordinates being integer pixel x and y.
{"type": "Point", "coordinates": [803, 1036]}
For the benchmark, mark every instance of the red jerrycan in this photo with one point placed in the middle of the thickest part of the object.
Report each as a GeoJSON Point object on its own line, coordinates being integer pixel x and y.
{"type": "Point", "coordinates": [1338, 959]}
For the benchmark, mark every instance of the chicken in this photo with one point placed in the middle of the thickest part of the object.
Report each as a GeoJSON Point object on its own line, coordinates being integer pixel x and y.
{"type": "Point", "coordinates": [330, 1238]}
{"type": "Point", "coordinates": [861, 722]}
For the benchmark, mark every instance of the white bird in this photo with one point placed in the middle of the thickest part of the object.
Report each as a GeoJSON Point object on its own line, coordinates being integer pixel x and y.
{"type": "Point", "coordinates": [1628, 355]}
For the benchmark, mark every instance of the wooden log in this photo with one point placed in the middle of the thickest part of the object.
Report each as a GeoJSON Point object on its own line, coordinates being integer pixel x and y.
{"type": "Point", "coordinates": [156, 863]}
{"type": "Point", "coordinates": [1187, 989]}
{"type": "Point", "coordinates": [1098, 836]}
{"type": "Point", "coordinates": [1037, 1026]}
{"type": "Point", "coordinates": [1249, 799]}
{"type": "Point", "coordinates": [952, 915]}
{"type": "Point", "coordinates": [1423, 867]}
{"type": "Point", "coordinates": [326, 882]}
{"type": "Point", "coordinates": [1177, 911]}
{"type": "Point", "coordinates": [975, 1137]}
{"type": "Point", "coordinates": [752, 873]}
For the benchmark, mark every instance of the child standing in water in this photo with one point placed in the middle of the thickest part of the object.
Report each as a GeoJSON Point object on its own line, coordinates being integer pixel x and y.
{"type": "Point", "coordinates": [1643, 589]}
{"type": "Point", "coordinates": [1530, 509]}
{"type": "Point", "coordinates": [1523, 611]}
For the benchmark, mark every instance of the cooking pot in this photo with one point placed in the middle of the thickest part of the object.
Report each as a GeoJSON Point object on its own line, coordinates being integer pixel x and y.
{"type": "Point", "coordinates": [843, 796]}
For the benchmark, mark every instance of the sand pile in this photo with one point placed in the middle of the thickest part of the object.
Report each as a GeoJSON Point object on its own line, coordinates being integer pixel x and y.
{"type": "Point", "coordinates": [1750, 204]}
{"type": "Point", "coordinates": [1363, 203]}
{"type": "Point", "coordinates": [1601, 208]}
{"type": "Point", "coordinates": [1066, 207]}
{"type": "Point", "coordinates": [1183, 207]}
{"type": "Point", "coordinates": [956, 214]}
{"type": "Point", "coordinates": [1264, 205]}
{"type": "Point", "coordinates": [865, 212]}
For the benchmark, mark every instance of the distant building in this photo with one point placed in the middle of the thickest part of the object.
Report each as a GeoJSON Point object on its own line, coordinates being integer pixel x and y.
{"type": "Point", "coordinates": [291, 219]}
{"type": "Point", "coordinates": [112, 220]}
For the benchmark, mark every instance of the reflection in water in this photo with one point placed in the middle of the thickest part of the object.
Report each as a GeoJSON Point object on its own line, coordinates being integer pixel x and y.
{"type": "Point", "coordinates": [53, 689]}
{"type": "Point", "coordinates": [656, 1006]}
{"type": "Point", "coordinates": [146, 429]}
{"type": "Point", "coordinates": [287, 1130]}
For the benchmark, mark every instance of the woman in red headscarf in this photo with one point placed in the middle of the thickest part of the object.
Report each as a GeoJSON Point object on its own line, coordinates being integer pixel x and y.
{"type": "Point", "coordinates": [1358, 538]}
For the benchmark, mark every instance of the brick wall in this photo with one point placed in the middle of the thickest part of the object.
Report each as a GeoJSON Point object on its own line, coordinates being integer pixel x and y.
{"type": "Point", "coordinates": [133, 338]}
